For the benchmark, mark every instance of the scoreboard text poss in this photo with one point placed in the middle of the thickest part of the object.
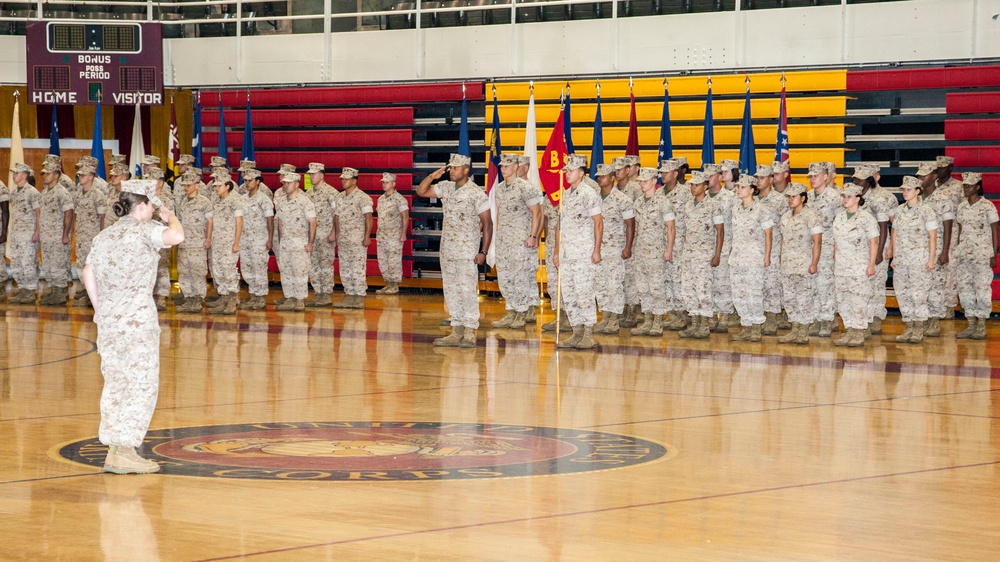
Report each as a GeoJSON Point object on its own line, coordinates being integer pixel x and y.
{"type": "Point", "coordinates": [76, 62]}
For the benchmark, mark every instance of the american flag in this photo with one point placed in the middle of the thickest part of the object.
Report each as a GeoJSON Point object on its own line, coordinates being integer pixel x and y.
{"type": "Point", "coordinates": [781, 145]}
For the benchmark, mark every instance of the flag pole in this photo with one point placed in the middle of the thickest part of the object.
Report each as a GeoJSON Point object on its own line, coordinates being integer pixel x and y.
{"type": "Point", "coordinates": [559, 269]}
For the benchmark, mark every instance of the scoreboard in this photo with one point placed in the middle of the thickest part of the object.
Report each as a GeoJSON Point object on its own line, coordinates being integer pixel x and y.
{"type": "Point", "coordinates": [81, 62]}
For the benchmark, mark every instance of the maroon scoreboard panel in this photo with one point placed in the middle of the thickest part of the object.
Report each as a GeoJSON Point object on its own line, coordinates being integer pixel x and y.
{"type": "Point", "coordinates": [81, 62]}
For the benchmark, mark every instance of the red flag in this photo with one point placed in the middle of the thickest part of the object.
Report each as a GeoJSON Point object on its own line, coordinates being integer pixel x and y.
{"type": "Point", "coordinates": [632, 146]}
{"type": "Point", "coordinates": [553, 159]}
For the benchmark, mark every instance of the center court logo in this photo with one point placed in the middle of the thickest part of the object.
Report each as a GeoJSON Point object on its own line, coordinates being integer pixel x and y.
{"type": "Point", "coordinates": [373, 451]}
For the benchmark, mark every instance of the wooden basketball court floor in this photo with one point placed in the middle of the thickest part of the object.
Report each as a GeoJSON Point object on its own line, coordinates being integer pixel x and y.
{"type": "Point", "coordinates": [646, 449]}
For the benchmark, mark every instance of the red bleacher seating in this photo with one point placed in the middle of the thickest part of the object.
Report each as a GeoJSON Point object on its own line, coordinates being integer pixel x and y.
{"type": "Point", "coordinates": [972, 102]}
{"type": "Point", "coordinates": [396, 93]}
{"type": "Point", "coordinates": [353, 139]}
{"type": "Point", "coordinates": [354, 159]}
{"type": "Point", "coordinates": [974, 156]}
{"type": "Point", "coordinates": [972, 129]}
{"type": "Point", "coordinates": [314, 117]}
{"type": "Point", "coordinates": [923, 78]}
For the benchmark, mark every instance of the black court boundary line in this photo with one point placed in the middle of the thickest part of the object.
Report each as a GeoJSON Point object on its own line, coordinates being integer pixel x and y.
{"type": "Point", "coordinates": [43, 478]}
{"type": "Point", "coordinates": [93, 349]}
{"type": "Point", "coordinates": [602, 510]}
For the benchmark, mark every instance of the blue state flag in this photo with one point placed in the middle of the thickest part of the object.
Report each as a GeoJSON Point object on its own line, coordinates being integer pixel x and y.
{"type": "Point", "coordinates": [196, 137]}
{"type": "Point", "coordinates": [568, 127]}
{"type": "Point", "coordinates": [666, 142]}
{"type": "Point", "coordinates": [748, 155]}
{"type": "Point", "coordinates": [247, 152]}
{"type": "Point", "coordinates": [597, 151]}
{"type": "Point", "coordinates": [97, 145]}
{"type": "Point", "coordinates": [54, 133]}
{"type": "Point", "coordinates": [708, 138]}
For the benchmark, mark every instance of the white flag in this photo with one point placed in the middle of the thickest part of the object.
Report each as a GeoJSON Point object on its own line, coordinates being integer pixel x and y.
{"type": "Point", "coordinates": [138, 149]}
{"type": "Point", "coordinates": [531, 144]}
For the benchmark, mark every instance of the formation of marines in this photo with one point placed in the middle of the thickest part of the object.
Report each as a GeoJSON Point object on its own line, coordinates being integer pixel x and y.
{"type": "Point", "coordinates": [650, 249]}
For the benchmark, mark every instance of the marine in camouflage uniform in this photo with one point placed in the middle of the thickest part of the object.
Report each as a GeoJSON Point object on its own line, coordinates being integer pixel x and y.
{"type": "Point", "coordinates": [578, 251]}
{"type": "Point", "coordinates": [195, 213]}
{"type": "Point", "coordinates": [853, 233]}
{"type": "Point", "coordinates": [678, 195]}
{"type": "Point", "coordinates": [518, 224]}
{"type": "Point", "coordinates": [161, 290]}
{"type": "Point", "coordinates": [654, 240]}
{"type": "Point", "coordinates": [56, 235]}
{"type": "Point", "coordinates": [915, 229]}
{"type": "Point", "coordinates": [622, 166]}
{"type": "Point", "coordinates": [4, 218]}
{"type": "Point", "coordinates": [703, 246]}
{"type": "Point", "coordinates": [119, 277]}
{"type": "Point", "coordinates": [67, 183]}
{"type": "Point", "coordinates": [393, 222]}
{"type": "Point", "coordinates": [882, 205]}
{"type": "Point", "coordinates": [952, 188]}
{"type": "Point", "coordinates": [752, 224]}
{"type": "Point", "coordinates": [975, 255]}
{"type": "Point", "coordinates": [616, 247]}
{"type": "Point", "coordinates": [324, 198]}
{"type": "Point", "coordinates": [117, 174]}
{"type": "Point", "coordinates": [941, 203]}
{"type": "Point", "coordinates": [258, 231]}
{"type": "Point", "coordinates": [354, 230]}
{"type": "Point", "coordinates": [801, 248]}
{"type": "Point", "coordinates": [99, 183]}
{"type": "Point", "coordinates": [227, 230]}
{"type": "Point", "coordinates": [722, 294]}
{"type": "Point", "coordinates": [774, 199]}
{"type": "Point", "coordinates": [826, 201]}
{"type": "Point", "coordinates": [24, 234]}
{"type": "Point", "coordinates": [277, 197]}
{"type": "Point", "coordinates": [90, 208]}
{"type": "Point", "coordinates": [296, 217]}
{"type": "Point", "coordinates": [466, 231]}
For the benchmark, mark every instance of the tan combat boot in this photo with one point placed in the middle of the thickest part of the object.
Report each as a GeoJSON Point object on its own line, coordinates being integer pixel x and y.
{"type": "Point", "coordinates": [933, 328]}
{"type": "Point", "coordinates": [505, 321]}
{"type": "Point", "coordinates": [968, 331]}
{"type": "Point", "coordinates": [572, 340]}
{"type": "Point", "coordinates": [563, 324]}
{"type": "Point", "coordinates": [190, 304]}
{"type": "Point", "coordinates": [825, 328]}
{"type": "Point", "coordinates": [643, 329]}
{"type": "Point", "coordinates": [803, 334]}
{"type": "Point", "coordinates": [791, 336]}
{"type": "Point", "coordinates": [518, 321]}
{"type": "Point", "coordinates": [529, 318]}
{"type": "Point", "coordinates": [770, 326]}
{"type": "Point", "coordinates": [587, 340]}
{"type": "Point", "coordinates": [613, 326]}
{"type": "Point", "coordinates": [599, 327]}
{"type": "Point", "coordinates": [876, 326]}
{"type": "Point", "coordinates": [630, 319]}
{"type": "Point", "coordinates": [468, 338]}
{"type": "Point", "coordinates": [844, 338]}
{"type": "Point", "coordinates": [980, 333]}
{"type": "Point", "coordinates": [907, 332]}
{"type": "Point", "coordinates": [755, 332]}
{"type": "Point", "coordinates": [656, 329]}
{"type": "Point", "coordinates": [287, 305]}
{"type": "Point", "coordinates": [783, 323]}
{"type": "Point", "coordinates": [857, 339]}
{"type": "Point", "coordinates": [692, 328]}
{"type": "Point", "coordinates": [83, 300]}
{"type": "Point", "coordinates": [742, 335]}
{"type": "Point", "coordinates": [232, 303]}
{"type": "Point", "coordinates": [344, 302]}
{"type": "Point", "coordinates": [125, 460]}
{"type": "Point", "coordinates": [702, 333]}
{"type": "Point", "coordinates": [917, 335]}
{"type": "Point", "coordinates": [218, 304]}
{"type": "Point", "coordinates": [454, 339]}
{"type": "Point", "coordinates": [358, 302]}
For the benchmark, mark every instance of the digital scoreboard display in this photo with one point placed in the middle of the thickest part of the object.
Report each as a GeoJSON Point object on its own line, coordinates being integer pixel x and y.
{"type": "Point", "coordinates": [81, 62]}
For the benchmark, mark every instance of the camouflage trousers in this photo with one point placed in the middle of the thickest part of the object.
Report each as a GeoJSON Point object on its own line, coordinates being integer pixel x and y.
{"type": "Point", "coordinates": [975, 279]}
{"type": "Point", "coordinates": [696, 274]}
{"type": "Point", "coordinates": [936, 297]}
{"type": "Point", "coordinates": [353, 259]}
{"type": "Point", "coordinates": [84, 243]}
{"type": "Point", "coordinates": [130, 363]}
{"type": "Point", "coordinates": [826, 296]}
{"type": "Point", "coordinates": [748, 293]}
{"type": "Point", "coordinates": [321, 266]}
{"type": "Point", "coordinates": [578, 291]}
{"type": "Point", "coordinates": [390, 259]}
{"type": "Point", "coordinates": [798, 294]}
{"type": "Point", "coordinates": [551, 271]}
{"type": "Point", "coordinates": [854, 302]}
{"type": "Point", "coordinates": [55, 262]}
{"type": "Point", "coordinates": [651, 284]}
{"type": "Point", "coordinates": [877, 293]}
{"type": "Point", "coordinates": [192, 267]}
{"type": "Point", "coordinates": [460, 280]}
{"type": "Point", "coordinates": [24, 263]}
{"type": "Point", "coordinates": [610, 281]}
{"type": "Point", "coordinates": [253, 266]}
{"type": "Point", "coordinates": [631, 291]}
{"type": "Point", "coordinates": [675, 299]}
{"type": "Point", "coordinates": [772, 279]}
{"type": "Point", "coordinates": [516, 275]}
{"type": "Point", "coordinates": [162, 287]}
{"type": "Point", "coordinates": [225, 275]}
{"type": "Point", "coordinates": [912, 284]}
{"type": "Point", "coordinates": [951, 285]}
{"type": "Point", "coordinates": [293, 262]}
{"type": "Point", "coordinates": [722, 293]}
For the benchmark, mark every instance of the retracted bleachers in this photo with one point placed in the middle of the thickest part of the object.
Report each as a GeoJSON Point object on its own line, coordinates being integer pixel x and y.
{"type": "Point", "coordinates": [404, 129]}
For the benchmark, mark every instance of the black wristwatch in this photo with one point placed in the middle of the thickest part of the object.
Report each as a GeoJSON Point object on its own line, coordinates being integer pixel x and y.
{"type": "Point", "coordinates": [482, 252]}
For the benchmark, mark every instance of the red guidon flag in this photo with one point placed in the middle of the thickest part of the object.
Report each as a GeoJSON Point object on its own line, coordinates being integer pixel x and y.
{"type": "Point", "coordinates": [553, 159]}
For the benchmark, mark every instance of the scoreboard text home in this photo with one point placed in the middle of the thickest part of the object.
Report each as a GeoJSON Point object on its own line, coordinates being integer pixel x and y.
{"type": "Point", "coordinates": [83, 63]}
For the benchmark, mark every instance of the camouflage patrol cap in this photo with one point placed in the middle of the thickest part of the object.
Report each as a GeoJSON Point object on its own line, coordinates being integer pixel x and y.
{"type": "Point", "coordinates": [747, 181]}
{"type": "Point", "coordinates": [794, 188]}
{"type": "Point", "coordinates": [619, 163]}
{"type": "Point", "coordinates": [852, 190]}
{"type": "Point", "coordinates": [86, 170]}
{"type": "Point", "coordinates": [944, 161]}
{"type": "Point", "coordinates": [605, 169]}
{"type": "Point", "coordinates": [195, 170]}
{"type": "Point", "coordinates": [143, 187]}
{"type": "Point", "coordinates": [632, 160]}
{"type": "Point", "coordinates": [246, 165]}
{"type": "Point", "coordinates": [290, 177]}
{"type": "Point", "coordinates": [218, 162]}
{"type": "Point", "coordinates": [86, 161]}
{"type": "Point", "coordinates": [150, 160]}
{"type": "Point", "coordinates": [53, 159]}
{"type": "Point", "coordinates": [831, 168]}
{"type": "Point", "coordinates": [221, 174]}
{"type": "Point", "coordinates": [388, 178]}
{"type": "Point", "coordinates": [711, 169]}
{"type": "Point", "coordinates": [763, 170]}
{"type": "Point", "coordinates": [51, 168]}
{"type": "Point", "coordinates": [316, 168]}
{"type": "Point", "coordinates": [509, 159]}
{"type": "Point", "coordinates": [116, 159]}
{"type": "Point", "coordinates": [19, 167]}
{"type": "Point", "coordinates": [348, 173]}
{"type": "Point", "coordinates": [190, 177]}
{"type": "Point", "coordinates": [185, 159]}
{"type": "Point", "coordinates": [817, 168]}
{"type": "Point", "coordinates": [458, 160]}
{"type": "Point", "coordinates": [251, 174]}
{"type": "Point", "coordinates": [669, 165]}
{"type": "Point", "coordinates": [575, 162]}
{"type": "Point", "coordinates": [971, 178]}
{"type": "Point", "coordinates": [681, 161]}
{"type": "Point", "coordinates": [862, 173]}
{"type": "Point", "coordinates": [730, 165]}
{"type": "Point", "coordinates": [285, 168]}
{"type": "Point", "coordinates": [524, 160]}
{"type": "Point", "coordinates": [926, 168]}
{"type": "Point", "coordinates": [647, 174]}
{"type": "Point", "coordinates": [910, 182]}
{"type": "Point", "coordinates": [779, 167]}
{"type": "Point", "coordinates": [120, 169]}
{"type": "Point", "coordinates": [698, 176]}
{"type": "Point", "coordinates": [153, 173]}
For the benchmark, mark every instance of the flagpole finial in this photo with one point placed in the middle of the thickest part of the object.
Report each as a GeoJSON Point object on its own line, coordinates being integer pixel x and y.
{"type": "Point", "coordinates": [710, 81]}
{"type": "Point", "coordinates": [598, 88]}
{"type": "Point", "coordinates": [666, 83]}
{"type": "Point", "coordinates": [17, 94]}
{"type": "Point", "coordinates": [531, 86]}
{"type": "Point", "coordinates": [463, 90]}
{"type": "Point", "coordinates": [629, 84]}
{"type": "Point", "coordinates": [748, 82]}
{"type": "Point", "coordinates": [782, 79]}
{"type": "Point", "coordinates": [494, 91]}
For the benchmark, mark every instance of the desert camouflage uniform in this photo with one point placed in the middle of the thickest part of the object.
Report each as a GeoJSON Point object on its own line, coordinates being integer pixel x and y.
{"type": "Point", "coordinates": [678, 198]}
{"type": "Point", "coordinates": [634, 191]}
{"type": "Point", "coordinates": [324, 198]}
{"type": "Point", "coordinates": [278, 197]}
{"type": "Point", "coordinates": [827, 206]}
{"type": "Point", "coordinates": [192, 257]}
{"type": "Point", "coordinates": [972, 256]}
{"type": "Point", "coordinates": [113, 194]}
{"type": "Point", "coordinates": [576, 248]}
{"type": "Point", "coordinates": [253, 242]}
{"type": "Point", "coordinates": [225, 275]}
{"type": "Point", "coordinates": [911, 281]}
{"type": "Point", "coordinates": [610, 281]}
{"type": "Point", "coordinates": [461, 237]}
{"type": "Point", "coordinates": [55, 255]}
{"type": "Point", "coordinates": [944, 210]}
{"type": "Point", "coordinates": [516, 264]}
{"type": "Point", "coordinates": [293, 213]}
{"type": "Point", "coordinates": [90, 205]}
{"type": "Point", "coordinates": [882, 205]}
{"type": "Point", "coordinates": [351, 209]}
{"type": "Point", "coordinates": [851, 238]}
{"type": "Point", "coordinates": [798, 286]}
{"type": "Point", "coordinates": [746, 260]}
{"type": "Point", "coordinates": [390, 229]}
{"type": "Point", "coordinates": [551, 213]}
{"type": "Point", "coordinates": [722, 294]}
{"type": "Point", "coordinates": [23, 252]}
{"type": "Point", "coordinates": [777, 203]}
{"type": "Point", "coordinates": [953, 189]}
{"type": "Point", "coordinates": [162, 287]}
{"type": "Point", "coordinates": [651, 217]}
{"type": "Point", "coordinates": [699, 249]}
{"type": "Point", "coordinates": [123, 259]}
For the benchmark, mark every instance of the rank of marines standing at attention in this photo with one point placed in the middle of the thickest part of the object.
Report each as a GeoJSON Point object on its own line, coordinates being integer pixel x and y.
{"type": "Point", "coordinates": [324, 198]}
{"type": "Point", "coordinates": [354, 230]}
{"type": "Point", "coordinates": [393, 222]}
{"type": "Point", "coordinates": [616, 247]}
